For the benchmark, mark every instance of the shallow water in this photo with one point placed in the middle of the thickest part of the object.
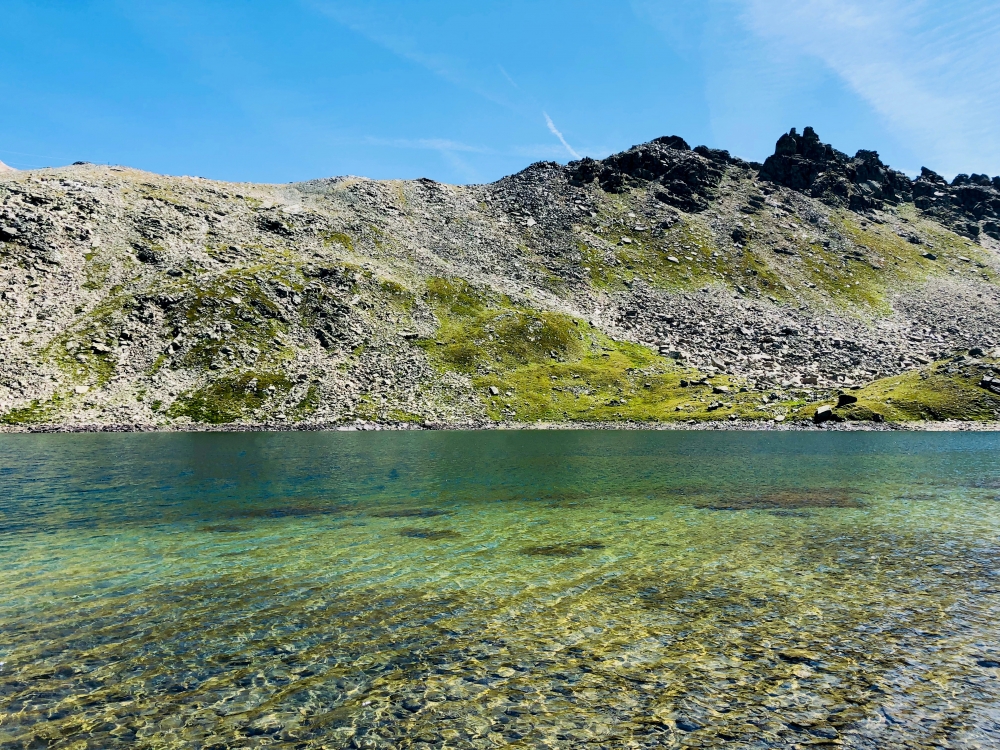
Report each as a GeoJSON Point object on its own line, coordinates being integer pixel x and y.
{"type": "Point", "coordinates": [444, 589]}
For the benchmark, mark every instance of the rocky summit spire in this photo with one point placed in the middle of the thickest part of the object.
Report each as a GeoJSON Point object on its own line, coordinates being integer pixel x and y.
{"type": "Point", "coordinates": [5, 168]}
{"type": "Point", "coordinates": [804, 163]}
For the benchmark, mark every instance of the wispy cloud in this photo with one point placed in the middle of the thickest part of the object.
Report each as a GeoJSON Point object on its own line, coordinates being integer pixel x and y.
{"type": "Point", "coordinates": [507, 76]}
{"type": "Point", "coordinates": [557, 134]}
{"type": "Point", "coordinates": [382, 29]}
{"type": "Point", "coordinates": [929, 69]}
{"type": "Point", "coordinates": [430, 144]}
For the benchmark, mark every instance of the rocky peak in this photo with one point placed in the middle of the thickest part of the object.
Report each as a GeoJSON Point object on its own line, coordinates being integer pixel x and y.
{"type": "Point", "coordinates": [5, 168]}
{"type": "Point", "coordinates": [806, 164]}
{"type": "Point", "coordinates": [689, 177]}
{"type": "Point", "coordinates": [970, 205]}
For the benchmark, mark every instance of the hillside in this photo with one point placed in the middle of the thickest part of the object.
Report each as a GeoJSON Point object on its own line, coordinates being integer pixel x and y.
{"type": "Point", "coordinates": [661, 284]}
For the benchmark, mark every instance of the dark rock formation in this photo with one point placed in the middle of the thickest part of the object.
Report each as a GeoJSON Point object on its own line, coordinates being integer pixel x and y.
{"type": "Point", "coordinates": [804, 163]}
{"type": "Point", "coordinates": [689, 177]}
{"type": "Point", "coordinates": [969, 205]}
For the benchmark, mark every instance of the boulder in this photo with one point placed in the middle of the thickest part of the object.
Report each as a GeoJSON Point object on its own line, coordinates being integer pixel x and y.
{"type": "Point", "coordinates": [823, 414]}
{"type": "Point", "coordinates": [688, 179]}
{"type": "Point", "coordinates": [846, 399]}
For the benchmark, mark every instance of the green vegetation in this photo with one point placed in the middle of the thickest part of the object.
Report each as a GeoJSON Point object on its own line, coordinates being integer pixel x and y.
{"type": "Point", "coordinates": [37, 412]}
{"type": "Point", "coordinates": [337, 238]}
{"type": "Point", "coordinates": [396, 295]}
{"type": "Point", "coordinates": [546, 366]}
{"type": "Point", "coordinates": [937, 392]}
{"type": "Point", "coordinates": [862, 279]}
{"type": "Point", "coordinates": [884, 260]}
{"type": "Point", "coordinates": [698, 260]}
{"type": "Point", "coordinates": [530, 365]}
{"type": "Point", "coordinates": [307, 405]}
{"type": "Point", "coordinates": [401, 415]}
{"type": "Point", "coordinates": [83, 352]}
{"type": "Point", "coordinates": [96, 272]}
{"type": "Point", "coordinates": [241, 315]}
{"type": "Point", "coordinates": [229, 399]}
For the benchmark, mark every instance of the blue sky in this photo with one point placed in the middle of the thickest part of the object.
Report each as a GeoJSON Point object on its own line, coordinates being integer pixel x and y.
{"type": "Point", "coordinates": [469, 91]}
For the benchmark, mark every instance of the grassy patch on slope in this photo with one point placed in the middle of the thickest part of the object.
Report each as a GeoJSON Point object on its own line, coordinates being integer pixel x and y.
{"type": "Point", "coordinates": [941, 391]}
{"type": "Point", "coordinates": [37, 412]}
{"type": "Point", "coordinates": [698, 259]}
{"type": "Point", "coordinates": [886, 260]}
{"type": "Point", "coordinates": [547, 366]}
{"type": "Point", "coordinates": [229, 399]}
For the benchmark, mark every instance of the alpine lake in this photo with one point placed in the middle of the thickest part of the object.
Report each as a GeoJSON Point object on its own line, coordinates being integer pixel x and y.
{"type": "Point", "coordinates": [564, 589]}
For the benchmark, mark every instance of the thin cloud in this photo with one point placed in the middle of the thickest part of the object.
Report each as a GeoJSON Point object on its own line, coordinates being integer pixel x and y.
{"type": "Point", "coordinates": [461, 167]}
{"type": "Point", "coordinates": [507, 76]}
{"type": "Point", "coordinates": [430, 144]}
{"type": "Point", "coordinates": [928, 69]}
{"type": "Point", "coordinates": [368, 23]}
{"type": "Point", "coordinates": [557, 134]}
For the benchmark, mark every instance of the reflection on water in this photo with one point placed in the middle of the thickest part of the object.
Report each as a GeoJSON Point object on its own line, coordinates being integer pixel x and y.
{"type": "Point", "coordinates": [563, 589]}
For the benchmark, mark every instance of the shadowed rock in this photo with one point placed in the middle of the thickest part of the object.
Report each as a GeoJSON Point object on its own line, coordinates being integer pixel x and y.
{"type": "Point", "coordinates": [429, 534]}
{"type": "Point", "coordinates": [804, 163]}
{"type": "Point", "coordinates": [786, 500]}
{"type": "Point", "coordinates": [408, 513]}
{"type": "Point", "coordinates": [569, 549]}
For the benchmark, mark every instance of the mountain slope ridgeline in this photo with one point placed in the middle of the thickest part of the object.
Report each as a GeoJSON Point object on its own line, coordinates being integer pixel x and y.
{"type": "Point", "coordinates": [662, 284]}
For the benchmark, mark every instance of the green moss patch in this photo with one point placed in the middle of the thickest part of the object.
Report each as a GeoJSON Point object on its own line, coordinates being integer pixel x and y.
{"type": "Point", "coordinates": [685, 256]}
{"type": "Point", "coordinates": [73, 351]}
{"type": "Point", "coordinates": [229, 399]}
{"type": "Point", "coordinates": [337, 238]}
{"type": "Point", "coordinates": [530, 365]}
{"type": "Point", "coordinates": [232, 315]}
{"type": "Point", "coordinates": [937, 392]}
{"type": "Point", "coordinates": [882, 260]}
{"type": "Point", "coordinates": [308, 404]}
{"type": "Point", "coordinates": [37, 412]}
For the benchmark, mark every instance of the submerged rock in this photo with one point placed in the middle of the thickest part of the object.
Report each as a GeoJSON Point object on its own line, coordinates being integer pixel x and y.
{"type": "Point", "coordinates": [408, 513]}
{"type": "Point", "coordinates": [429, 534]}
{"type": "Point", "coordinates": [569, 549]}
{"type": "Point", "coordinates": [786, 500]}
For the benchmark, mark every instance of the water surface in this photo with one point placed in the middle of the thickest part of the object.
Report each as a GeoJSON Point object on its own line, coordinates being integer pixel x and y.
{"type": "Point", "coordinates": [560, 589]}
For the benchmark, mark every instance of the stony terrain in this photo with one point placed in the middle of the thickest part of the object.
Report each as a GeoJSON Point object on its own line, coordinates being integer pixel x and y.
{"type": "Point", "coordinates": [662, 284]}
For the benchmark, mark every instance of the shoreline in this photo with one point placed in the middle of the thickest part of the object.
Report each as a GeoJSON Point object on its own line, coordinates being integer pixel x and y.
{"type": "Point", "coordinates": [486, 425]}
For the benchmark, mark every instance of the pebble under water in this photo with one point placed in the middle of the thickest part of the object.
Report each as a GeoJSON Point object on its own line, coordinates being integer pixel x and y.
{"type": "Point", "coordinates": [476, 590]}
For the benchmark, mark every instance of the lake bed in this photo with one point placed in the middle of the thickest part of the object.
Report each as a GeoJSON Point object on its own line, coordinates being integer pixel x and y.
{"type": "Point", "coordinates": [460, 589]}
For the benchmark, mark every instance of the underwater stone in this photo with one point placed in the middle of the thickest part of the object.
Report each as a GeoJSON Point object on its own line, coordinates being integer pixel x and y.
{"type": "Point", "coordinates": [687, 725]}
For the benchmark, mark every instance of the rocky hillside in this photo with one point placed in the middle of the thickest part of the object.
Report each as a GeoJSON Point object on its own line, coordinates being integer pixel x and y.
{"type": "Point", "coordinates": [663, 283]}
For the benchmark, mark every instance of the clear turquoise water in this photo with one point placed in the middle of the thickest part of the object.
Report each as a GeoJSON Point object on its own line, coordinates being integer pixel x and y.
{"type": "Point", "coordinates": [537, 589]}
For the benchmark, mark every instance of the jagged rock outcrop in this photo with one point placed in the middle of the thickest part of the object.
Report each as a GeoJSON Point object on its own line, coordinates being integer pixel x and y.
{"type": "Point", "coordinates": [804, 163]}
{"type": "Point", "coordinates": [968, 206]}
{"type": "Point", "coordinates": [688, 178]}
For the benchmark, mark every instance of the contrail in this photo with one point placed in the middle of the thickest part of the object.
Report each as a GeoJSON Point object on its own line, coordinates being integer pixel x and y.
{"type": "Point", "coordinates": [507, 76]}
{"type": "Point", "coordinates": [557, 134]}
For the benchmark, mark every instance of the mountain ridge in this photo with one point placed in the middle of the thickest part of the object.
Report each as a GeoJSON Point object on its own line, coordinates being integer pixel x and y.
{"type": "Point", "coordinates": [663, 284]}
